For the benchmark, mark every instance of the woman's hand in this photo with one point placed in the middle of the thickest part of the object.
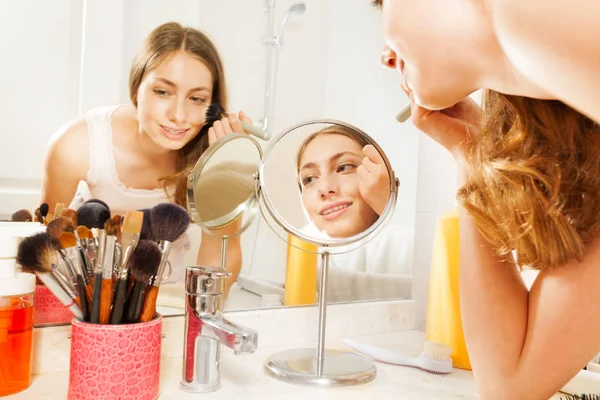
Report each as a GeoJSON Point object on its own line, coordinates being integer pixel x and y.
{"type": "Point", "coordinates": [227, 125]}
{"type": "Point", "coordinates": [373, 179]}
{"type": "Point", "coordinates": [451, 127]}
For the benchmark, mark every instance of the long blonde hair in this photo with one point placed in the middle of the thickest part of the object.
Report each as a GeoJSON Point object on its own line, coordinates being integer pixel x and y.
{"type": "Point", "coordinates": [158, 46]}
{"type": "Point", "coordinates": [534, 183]}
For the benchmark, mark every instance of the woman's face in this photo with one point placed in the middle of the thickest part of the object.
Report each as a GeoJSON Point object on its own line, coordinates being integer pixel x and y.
{"type": "Point", "coordinates": [172, 100]}
{"type": "Point", "coordinates": [329, 185]}
{"type": "Point", "coordinates": [426, 42]}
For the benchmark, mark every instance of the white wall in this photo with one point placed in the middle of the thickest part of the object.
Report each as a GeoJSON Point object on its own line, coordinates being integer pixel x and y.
{"type": "Point", "coordinates": [39, 49]}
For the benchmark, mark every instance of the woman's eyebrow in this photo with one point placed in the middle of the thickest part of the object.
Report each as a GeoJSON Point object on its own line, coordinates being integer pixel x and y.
{"type": "Point", "coordinates": [334, 157]}
{"type": "Point", "coordinates": [377, 3]}
{"type": "Point", "coordinates": [173, 85]}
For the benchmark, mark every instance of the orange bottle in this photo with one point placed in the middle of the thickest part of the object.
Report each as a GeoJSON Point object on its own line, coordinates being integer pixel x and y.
{"type": "Point", "coordinates": [300, 273]}
{"type": "Point", "coordinates": [16, 328]}
{"type": "Point", "coordinates": [444, 324]}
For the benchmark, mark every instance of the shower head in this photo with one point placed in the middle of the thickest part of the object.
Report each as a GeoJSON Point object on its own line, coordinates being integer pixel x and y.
{"type": "Point", "coordinates": [296, 8]}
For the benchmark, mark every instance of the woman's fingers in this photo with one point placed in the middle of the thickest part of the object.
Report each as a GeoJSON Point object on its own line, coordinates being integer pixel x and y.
{"type": "Point", "coordinates": [235, 123]}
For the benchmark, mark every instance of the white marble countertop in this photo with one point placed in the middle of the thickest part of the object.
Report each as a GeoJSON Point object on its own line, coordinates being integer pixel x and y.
{"type": "Point", "coordinates": [242, 377]}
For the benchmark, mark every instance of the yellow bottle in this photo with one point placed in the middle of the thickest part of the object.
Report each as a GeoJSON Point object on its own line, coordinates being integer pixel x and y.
{"type": "Point", "coordinates": [444, 324]}
{"type": "Point", "coordinates": [300, 273]}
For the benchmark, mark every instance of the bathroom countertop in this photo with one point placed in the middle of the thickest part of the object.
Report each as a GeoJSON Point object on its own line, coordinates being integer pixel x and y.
{"type": "Point", "coordinates": [242, 377]}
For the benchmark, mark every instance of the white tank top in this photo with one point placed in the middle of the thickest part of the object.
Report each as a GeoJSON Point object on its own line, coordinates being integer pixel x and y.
{"type": "Point", "coordinates": [103, 183]}
{"type": "Point", "coordinates": [102, 178]}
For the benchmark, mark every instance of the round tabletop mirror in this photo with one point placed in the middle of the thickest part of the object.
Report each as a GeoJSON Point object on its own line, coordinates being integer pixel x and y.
{"type": "Point", "coordinates": [327, 183]}
{"type": "Point", "coordinates": [221, 186]}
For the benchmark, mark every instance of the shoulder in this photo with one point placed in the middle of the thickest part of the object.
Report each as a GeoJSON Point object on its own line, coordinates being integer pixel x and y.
{"type": "Point", "coordinates": [68, 148]}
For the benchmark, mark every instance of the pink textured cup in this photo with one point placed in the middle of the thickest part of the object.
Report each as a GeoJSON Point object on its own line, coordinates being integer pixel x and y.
{"type": "Point", "coordinates": [47, 309]}
{"type": "Point", "coordinates": [115, 361]}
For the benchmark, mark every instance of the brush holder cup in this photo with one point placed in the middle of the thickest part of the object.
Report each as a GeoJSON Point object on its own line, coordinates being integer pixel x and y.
{"type": "Point", "coordinates": [48, 309]}
{"type": "Point", "coordinates": [115, 361]}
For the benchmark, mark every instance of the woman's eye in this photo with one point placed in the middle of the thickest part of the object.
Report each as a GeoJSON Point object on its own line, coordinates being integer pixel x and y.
{"type": "Point", "coordinates": [307, 180]}
{"type": "Point", "coordinates": [161, 92]}
{"type": "Point", "coordinates": [346, 167]}
{"type": "Point", "coordinates": [199, 100]}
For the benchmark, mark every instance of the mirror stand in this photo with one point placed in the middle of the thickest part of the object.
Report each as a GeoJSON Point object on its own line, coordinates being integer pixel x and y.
{"type": "Point", "coordinates": [323, 367]}
{"type": "Point", "coordinates": [224, 240]}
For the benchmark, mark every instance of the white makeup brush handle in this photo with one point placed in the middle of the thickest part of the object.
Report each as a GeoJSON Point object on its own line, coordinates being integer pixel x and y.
{"type": "Point", "coordinates": [404, 113]}
{"type": "Point", "coordinates": [253, 130]}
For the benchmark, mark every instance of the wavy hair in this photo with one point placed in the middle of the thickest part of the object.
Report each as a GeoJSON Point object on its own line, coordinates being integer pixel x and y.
{"type": "Point", "coordinates": [534, 182]}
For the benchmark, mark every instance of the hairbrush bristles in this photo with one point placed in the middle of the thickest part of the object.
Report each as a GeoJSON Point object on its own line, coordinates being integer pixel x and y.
{"type": "Point", "coordinates": [59, 225]}
{"type": "Point", "coordinates": [146, 232]}
{"type": "Point", "coordinates": [144, 261]}
{"type": "Point", "coordinates": [44, 208]}
{"type": "Point", "coordinates": [21, 216]}
{"type": "Point", "coordinates": [93, 215]}
{"type": "Point", "coordinates": [582, 397]}
{"type": "Point", "coordinates": [168, 221]}
{"type": "Point", "coordinates": [72, 215]}
{"type": "Point", "coordinates": [37, 253]}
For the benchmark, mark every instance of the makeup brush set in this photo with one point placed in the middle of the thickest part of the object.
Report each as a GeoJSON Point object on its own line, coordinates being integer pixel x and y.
{"type": "Point", "coordinates": [105, 269]}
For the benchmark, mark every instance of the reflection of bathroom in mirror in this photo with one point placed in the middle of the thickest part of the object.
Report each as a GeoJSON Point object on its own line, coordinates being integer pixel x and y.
{"type": "Point", "coordinates": [283, 63]}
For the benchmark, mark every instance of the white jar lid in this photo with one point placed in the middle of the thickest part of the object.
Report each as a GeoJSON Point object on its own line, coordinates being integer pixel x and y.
{"type": "Point", "coordinates": [11, 234]}
{"type": "Point", "coordinates": [14, 283]}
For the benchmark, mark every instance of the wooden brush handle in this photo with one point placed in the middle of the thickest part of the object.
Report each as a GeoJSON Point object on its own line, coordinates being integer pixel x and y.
{"type": "Point", "coordinates": [116, 316]}
{"type": "Point", "coordinates": [105, 300]}
{"type": "Point", "coordinates": [88, 292]}
{"type": "Point", "coordinates": [149, 309]}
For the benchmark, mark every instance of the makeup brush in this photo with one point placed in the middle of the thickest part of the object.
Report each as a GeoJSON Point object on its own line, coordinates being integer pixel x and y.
{"type": "Point", "coordinates": [144, 266]}
{"type": "Point", "coordinates": [44, 244]}
{"type": "Point", "coordinates": [93, 215]}
{"type": "Point", "coordinates": [71, 215]}
{"type": "Point", "coordinates": [111, 229]}
{"type": "Point", "coordinates": [58, 210]}
{"type": "Point", "coordinates": [21, 216]}
{"type": "Point", "coordinates": [130, 235]}
{"type": "Point", "coordinates": [38, 216]}
{"type": "Point", "coordinates": [69, 244]}
{"type": "Point", "coordinates": [87, 251]}
{"type": "Point", "coordinates": [58, 226]}
{"type": "Point", "coordinates": [37, 253]}
{"type": "Point", "coordinates": [215, 112]}
{"type": "Point", "coordinates": [168, 222]}
{"type": "Point", "coordinates": [404, 113]}
{"type": "Point", "coordinates": [146, 232]}
{"type": "Point", "coordinates": [44, 209]}
{"type": "Point", "coordinates": [97, 278]}
{"type": "Point", "coordinates": [98, 201]}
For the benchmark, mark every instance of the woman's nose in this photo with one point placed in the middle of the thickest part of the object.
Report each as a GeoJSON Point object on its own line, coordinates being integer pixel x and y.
{"type": "Point", "coordinates": [177, 112]}
{"type": "Point", "coordinates": [388, 58]}
{"type": "Point", "coordinates": [327, 186]}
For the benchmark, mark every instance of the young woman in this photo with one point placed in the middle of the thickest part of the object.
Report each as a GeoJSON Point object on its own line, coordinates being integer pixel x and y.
{"type": "Point", "coordinates": [343, 181]}
{"type": "Point", "coordinates": [528, 172]}
{"type": "Point", "coordinates": [345, 186]}
{"type": "Point", "coordinates": [137, 155]}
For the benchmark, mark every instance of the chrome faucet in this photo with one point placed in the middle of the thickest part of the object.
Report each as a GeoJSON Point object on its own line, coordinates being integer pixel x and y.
{"type": "Point", "coordinates": [205, 328]}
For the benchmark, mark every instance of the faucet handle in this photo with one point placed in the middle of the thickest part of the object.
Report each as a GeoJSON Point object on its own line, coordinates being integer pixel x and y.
{"type": "Point", "coordinates": [205, 280]}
